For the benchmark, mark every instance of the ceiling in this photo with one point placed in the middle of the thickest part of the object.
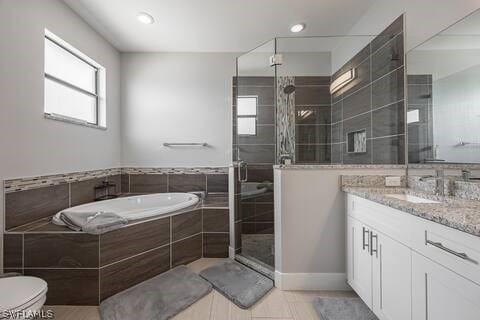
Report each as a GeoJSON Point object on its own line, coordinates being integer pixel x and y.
{"type": "Point", "coordinates": [214, 25]}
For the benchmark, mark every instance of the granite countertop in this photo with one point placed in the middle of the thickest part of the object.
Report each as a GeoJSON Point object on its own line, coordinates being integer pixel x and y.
{"type": "Point", "coordinates": [460, 214]}
{"type": "Point", "coordinates": [337, 166]}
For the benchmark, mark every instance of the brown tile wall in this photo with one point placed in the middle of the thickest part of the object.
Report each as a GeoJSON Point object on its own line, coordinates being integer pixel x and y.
{"type": "Point", "coordinates": [312, 119]}
{"type": "Point", "coordinates": [259, 148]}
{"type": "Point", "coordinates": [152, 183]}
{"type": "Point", "coordinates": [83, 269]}
{"type": "Point", "coordinates": [374, 101]}
{"type": "Point", "coordinates": [420, 134]}
{"type": "Point", "coordinates": [22, 207]}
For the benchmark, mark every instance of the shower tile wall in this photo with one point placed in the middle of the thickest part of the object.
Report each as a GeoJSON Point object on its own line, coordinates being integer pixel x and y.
{"type": "Point", "coordinates": [259, 148]}
{"type": "Point", "coordinates": [254, 212]}
{"type": "Point", "coordinates": [420, 134]}
{"type": "Point", "coordinates": [312, 119]}
{"type": "Point", "coordinates": [374, 101]}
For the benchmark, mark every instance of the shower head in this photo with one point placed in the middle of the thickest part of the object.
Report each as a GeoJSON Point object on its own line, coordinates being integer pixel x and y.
{"type": "Point", "coordinates": [289, 89]}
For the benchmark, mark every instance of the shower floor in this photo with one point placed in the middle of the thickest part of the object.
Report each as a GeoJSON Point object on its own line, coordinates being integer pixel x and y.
{"type": "Point", "coordinates": [259, 246]}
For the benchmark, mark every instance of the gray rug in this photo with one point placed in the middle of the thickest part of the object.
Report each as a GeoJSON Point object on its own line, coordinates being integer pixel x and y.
{"type": "Point", "coordinates": [161, 297]}
{"type": "Point", "coordinates": [343, 309]}
{"type": "Point", "coordinates": [240, 284]}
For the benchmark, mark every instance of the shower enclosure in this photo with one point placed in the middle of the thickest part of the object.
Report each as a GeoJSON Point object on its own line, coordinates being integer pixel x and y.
{"type": "Point", "coordinates": [284, 112]}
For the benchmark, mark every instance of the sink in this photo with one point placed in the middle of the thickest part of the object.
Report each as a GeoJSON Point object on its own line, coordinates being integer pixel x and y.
{"type": "Point", "coordinates": [410, 198]}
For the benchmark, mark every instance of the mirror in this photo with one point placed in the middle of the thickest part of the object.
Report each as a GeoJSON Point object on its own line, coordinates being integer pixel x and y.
{"type": "Point", "coordinates": [443, 84]}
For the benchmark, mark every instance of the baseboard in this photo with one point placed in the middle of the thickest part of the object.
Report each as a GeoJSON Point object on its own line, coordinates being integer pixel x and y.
{"type": "Point", "coordinates": [312, 281]}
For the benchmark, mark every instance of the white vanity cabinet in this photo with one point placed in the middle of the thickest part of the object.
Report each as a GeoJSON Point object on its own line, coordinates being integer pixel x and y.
{"type": "Point", "coordinates": [391, 278]}
{"type": "Point", "coordinates": [360, 263]}
{"type": "Point", "coordinates": [441, 294]}
{"type": "Point", "coordinates": [407, 268]}
{"type": "Point", "coordinates": [379, 270]}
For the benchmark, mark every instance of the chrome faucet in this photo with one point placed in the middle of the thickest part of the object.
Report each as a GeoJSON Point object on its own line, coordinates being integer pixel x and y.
{"type": "Point", "coordinates": [439, 178]}
{"type": "Point", "coordinates": [440, 182]}
{"type": "Point", "coordinates": [466, 175]}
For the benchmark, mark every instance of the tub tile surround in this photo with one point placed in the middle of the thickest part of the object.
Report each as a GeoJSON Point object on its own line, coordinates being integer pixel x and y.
{"type": "Point", "coordinates": [30, 199]}
{"type": "Point", "coordinates": [122, 257]}
{"type": "Point", "coordinates": [374, 101]}
{"type": "Point", "coordinates": [103, 265]}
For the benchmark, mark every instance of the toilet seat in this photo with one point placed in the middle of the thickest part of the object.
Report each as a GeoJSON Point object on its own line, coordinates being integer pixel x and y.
{"type": "Point", "coordinates": [22, 292]}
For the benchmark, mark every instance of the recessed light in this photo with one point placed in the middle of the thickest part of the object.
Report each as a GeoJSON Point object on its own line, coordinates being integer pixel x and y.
{"type": "Point", "coordinates": [298, 27]}
{"type": "Point", "coordinates": [144, 17]}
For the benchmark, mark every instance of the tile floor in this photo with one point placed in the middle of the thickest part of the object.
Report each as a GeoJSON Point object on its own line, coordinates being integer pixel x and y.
{"type": "Point", "coordinates": [276, 305]}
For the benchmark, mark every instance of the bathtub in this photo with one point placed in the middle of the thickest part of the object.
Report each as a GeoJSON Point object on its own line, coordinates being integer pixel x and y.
{"type": "Point", "coordinates": [137, 207]}
{"type": "Point", "coordinates": [249, 189]}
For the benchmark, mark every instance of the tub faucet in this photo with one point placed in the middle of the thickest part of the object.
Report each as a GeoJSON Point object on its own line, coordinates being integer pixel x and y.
{"type": "Point", "coordinates": [201, 194]}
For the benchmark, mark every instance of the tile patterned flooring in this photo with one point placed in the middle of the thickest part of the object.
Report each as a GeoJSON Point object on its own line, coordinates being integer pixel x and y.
{"type": "Point", "coordinates": [276, 305]}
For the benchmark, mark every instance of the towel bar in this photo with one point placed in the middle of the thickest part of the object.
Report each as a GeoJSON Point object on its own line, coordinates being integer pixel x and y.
{"type": "Point", "coordinates": [171, 144]}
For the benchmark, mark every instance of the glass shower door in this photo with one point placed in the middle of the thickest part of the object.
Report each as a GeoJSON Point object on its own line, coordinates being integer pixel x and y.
{"type": "Point", "coordinates": [254, 152]}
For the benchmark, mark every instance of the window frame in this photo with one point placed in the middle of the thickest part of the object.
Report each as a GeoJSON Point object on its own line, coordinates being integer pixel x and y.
{"type": "Point", "coordinates": [248, 116]}
{"type": "Point", "coordinates": [58, 42]}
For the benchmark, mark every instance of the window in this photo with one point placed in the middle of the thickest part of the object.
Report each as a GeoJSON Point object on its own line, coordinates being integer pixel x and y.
{"type": "Point", "coordinates": [413, 116]}
{"type": "Point", "coordinates": [72, 84]}
{"type": "Point", "coordinates": [247, 115]}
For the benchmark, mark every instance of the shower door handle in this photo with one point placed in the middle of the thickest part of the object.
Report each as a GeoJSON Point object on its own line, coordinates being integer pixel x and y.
{"type": "Point", "coordinates": [240, 164]}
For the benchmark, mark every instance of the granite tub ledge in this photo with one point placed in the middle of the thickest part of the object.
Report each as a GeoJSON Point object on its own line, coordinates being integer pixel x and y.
{"type": "Point", "coordinates": [460, 214]}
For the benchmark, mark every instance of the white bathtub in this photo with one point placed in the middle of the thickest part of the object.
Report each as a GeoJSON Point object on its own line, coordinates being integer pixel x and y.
{"type": "Point", "coordinates": [137, 207]}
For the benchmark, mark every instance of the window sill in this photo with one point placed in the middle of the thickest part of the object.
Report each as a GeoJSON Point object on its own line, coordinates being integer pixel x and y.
{"type": "Point", "coordinates": [73, 121]}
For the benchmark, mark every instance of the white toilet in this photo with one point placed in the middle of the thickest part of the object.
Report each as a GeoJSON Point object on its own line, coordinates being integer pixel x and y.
{"type": "Point", "coordinates": [21, 295]}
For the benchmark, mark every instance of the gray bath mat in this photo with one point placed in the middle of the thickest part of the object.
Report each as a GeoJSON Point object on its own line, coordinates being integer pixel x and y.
{"type": "Point", "coordinates": [161, 297]}
{"type": "Point", "coordinates": [241, 285]}
{"type": "Point", "coordinates": [343, 309]}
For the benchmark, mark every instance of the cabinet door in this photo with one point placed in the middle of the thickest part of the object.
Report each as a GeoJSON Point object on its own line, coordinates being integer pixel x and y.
{"type": "Point", "coordinates": [392, 276]}
{"type": "Point", "coordinates": [359, 260]}
{"type": "Point", "coordinates": [441, 294]}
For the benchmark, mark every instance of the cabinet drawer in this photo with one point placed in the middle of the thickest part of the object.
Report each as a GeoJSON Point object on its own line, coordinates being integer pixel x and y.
{"type": "Point", "coordinates": [455, 250]}
{"type": "Point", "coordinates": [394, 223]}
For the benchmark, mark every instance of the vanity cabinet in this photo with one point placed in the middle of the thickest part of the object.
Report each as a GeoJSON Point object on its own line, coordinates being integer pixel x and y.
{"type": "Point", "coordinates": [360, 263]}
{"type": "Point", "coordinates": [407, 268]}
{"type": "Point", "coordinates": [441, 294]}
{"type": "Point", "coordinates": [379, 271]}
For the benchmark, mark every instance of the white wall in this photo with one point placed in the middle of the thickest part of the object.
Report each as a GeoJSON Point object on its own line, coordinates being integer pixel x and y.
{"type": "Point", "coordinates": [310, 249]}
{"type": "Point", "coordinates": [31, 145]}
{"type": "Point", "coordinates": [424, 18]}
{"type": "Point", "coordinates": [176, 97]}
